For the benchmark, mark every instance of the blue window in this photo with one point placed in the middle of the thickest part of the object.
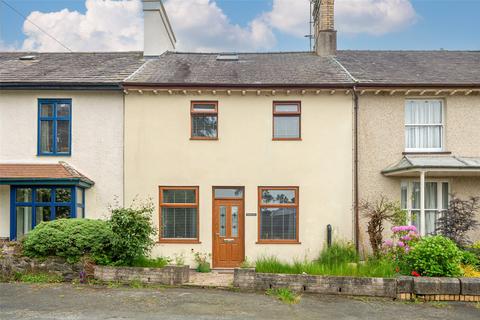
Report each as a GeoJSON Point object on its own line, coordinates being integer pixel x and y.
{"type": "Point", "coordinates": [31, 205]}
{"type": "Point", "coordinates": [54, 127]}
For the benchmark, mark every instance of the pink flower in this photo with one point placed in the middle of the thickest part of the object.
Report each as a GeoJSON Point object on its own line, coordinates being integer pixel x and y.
{"type": "Point", "coordinates": [406, 238]}
{"type": "Point", "coordinates": [400, 244]}
{"type": "Point", "coordinates": [388, 243]}
{"type": "Point", "coordinates": [407, 249]}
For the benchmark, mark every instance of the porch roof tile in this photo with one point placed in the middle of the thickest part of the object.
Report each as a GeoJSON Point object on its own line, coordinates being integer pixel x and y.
{"type": "Point", "coordinates": [47, 171]}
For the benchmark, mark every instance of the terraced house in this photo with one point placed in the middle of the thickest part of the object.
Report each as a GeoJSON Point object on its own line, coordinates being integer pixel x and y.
{"type": "Point", "coordinates": [243, 154]}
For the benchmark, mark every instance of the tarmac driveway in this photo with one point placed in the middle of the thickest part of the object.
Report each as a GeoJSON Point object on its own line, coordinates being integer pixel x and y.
{"type": "Point", "coordinates": [63, 301]}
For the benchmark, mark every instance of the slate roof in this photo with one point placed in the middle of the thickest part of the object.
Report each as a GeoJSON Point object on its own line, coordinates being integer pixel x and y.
{"type": "Point", "coordinates": [375, 68]}
{"type": "Point", "coordinates": [413, 67]}
{"type": "Point", "coordinates": [87, 69]}
{"type": "Point", "coordinates": [49, 171]}
{"type": "Point", "coordinates": [252, 69]}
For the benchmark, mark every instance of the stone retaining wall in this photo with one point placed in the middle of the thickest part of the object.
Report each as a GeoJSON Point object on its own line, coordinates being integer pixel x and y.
{"type": "Point", "coordinates": [12, 263]}
{"type": "Point", "coordinates": [405, 288]}
{"type": "Point", "coordinates": [168, 275]}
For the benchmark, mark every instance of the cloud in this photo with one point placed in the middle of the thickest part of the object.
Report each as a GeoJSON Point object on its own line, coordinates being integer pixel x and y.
{"type": "Point", "coordinates": [376, 17]}
{"type": "Point", "coordinates": [201, 25]}
{"type": "Point", "coordinates": [105, 26]}
{"type": "Point", "coordinates": [373, 17]}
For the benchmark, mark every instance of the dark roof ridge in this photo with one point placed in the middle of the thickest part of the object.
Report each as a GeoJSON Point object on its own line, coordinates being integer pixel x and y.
{"type": "Point", "coordinates": [234, 52]}
{"type": "Point", "coordinates": [407, 50]}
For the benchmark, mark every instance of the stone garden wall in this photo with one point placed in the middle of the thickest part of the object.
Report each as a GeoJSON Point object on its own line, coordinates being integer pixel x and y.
{"type": "Point", "coordinates": [12, 263]}
{"type": "Point", "coordinates": [168, 275]}
{"type": "Point", "coordinates": [404, 288]}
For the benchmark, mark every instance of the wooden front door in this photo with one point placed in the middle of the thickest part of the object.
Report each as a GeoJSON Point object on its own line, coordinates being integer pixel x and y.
{"type": "Point", "coordinates": [228, 233]}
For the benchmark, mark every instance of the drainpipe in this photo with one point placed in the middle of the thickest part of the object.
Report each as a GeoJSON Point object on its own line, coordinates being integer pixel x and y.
{"type": "Point", "coordinates": [355, 169]}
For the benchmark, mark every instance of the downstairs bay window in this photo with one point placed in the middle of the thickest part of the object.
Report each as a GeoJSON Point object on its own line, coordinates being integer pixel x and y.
{"type": "Point", "coordinates": [31, 205]}
{"type": "Point", "coordinates": [436, 202]}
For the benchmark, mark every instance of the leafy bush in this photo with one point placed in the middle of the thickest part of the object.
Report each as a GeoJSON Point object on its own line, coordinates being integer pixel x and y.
{"type": "Point", "coordinates": [68, 238]}
{"type": "Point", "coordinates": [133, 233]}
{"type": "Point", "coordinates": [338, 253]}
{"type": "Point", "coordinates": [459, 219]}
{"type": "Point", "coordinates": [202, 260]}
{"type": "Point", "coordinates": [470, 259]}
{"type": "Point", "coordinates": [435, 257]}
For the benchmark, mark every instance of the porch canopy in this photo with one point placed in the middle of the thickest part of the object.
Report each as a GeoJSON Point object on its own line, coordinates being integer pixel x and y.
{"type": "Point", "coordinates": [433, 166]}
{"type": "Point", "coordinates": [59, 173]}
{"type": "Point", "coordinates": [436, 166]}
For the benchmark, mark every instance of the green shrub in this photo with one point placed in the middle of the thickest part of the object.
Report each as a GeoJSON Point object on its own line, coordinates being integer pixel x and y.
{"type": "Point", "coordinates": [435, 256]}
{"type": "Point", "coordinates": [470, 259]}
{"type": "Point", "coordinates": [68, 238]}
{"type": "Point", "coordinates": [133, 233]}
{"type": "Point", "coordinates": [39, 278]}
{"type": "Point", "coordinates": [338, 253]}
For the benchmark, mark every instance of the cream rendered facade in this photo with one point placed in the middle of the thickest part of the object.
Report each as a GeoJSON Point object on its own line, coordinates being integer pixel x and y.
{"type": "Point", "coordinates": [96, 147]}
{"type": "Point", "coordinates": [381, 143]}
{"type": "Point", "coordinates": [159, 152]}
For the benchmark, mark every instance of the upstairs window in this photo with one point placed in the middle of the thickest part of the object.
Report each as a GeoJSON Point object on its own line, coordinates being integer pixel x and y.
{"type": "Point", "coordinates": [204, 120]}
{"type": "Point", "coordinates": [424, 125]}
{"type": "Point", "coordinates": [286, 120]}
{"type": "Point", "coordinates": [54, 127]}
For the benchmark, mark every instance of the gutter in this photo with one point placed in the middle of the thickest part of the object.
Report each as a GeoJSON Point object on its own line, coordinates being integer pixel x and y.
{"type": "Point", "coordinates": [139, 85]}
{"type": "Point", "coordinates": [58, 86]}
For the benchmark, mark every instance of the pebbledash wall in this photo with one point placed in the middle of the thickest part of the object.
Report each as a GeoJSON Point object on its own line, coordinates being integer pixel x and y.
{"type": "Point", "coordinates": [159, 152]}
{"type": "Point", "coordinates": [381, 140]}
{"type": "Point", "coordinates": [97, 143]}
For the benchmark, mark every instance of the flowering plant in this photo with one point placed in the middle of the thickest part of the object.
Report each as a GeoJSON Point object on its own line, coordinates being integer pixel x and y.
{"type": "Point", "coordinates": [403, 238]}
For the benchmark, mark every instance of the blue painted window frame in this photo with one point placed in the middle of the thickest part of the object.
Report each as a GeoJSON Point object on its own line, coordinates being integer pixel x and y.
{"type": "Point", "coordinates": [34, 203]}
{"type": "Point", "coordinates": [54, 120]}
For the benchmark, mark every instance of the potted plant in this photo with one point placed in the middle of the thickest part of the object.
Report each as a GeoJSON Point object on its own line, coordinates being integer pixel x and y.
{"type": "Point", "coordinates": [202, 260]}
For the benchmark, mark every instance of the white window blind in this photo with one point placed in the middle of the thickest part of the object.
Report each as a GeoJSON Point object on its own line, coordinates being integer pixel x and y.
{"type": "Point", "coordinates": [424, 125]}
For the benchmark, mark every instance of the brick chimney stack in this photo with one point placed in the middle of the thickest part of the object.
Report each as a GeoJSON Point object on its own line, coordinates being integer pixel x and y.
{"type": "Point", "coordinates": [325, 33]}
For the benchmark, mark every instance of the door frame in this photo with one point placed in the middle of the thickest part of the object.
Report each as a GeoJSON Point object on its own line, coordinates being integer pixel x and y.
{"type": "Point", "coordinates": [213, 217]}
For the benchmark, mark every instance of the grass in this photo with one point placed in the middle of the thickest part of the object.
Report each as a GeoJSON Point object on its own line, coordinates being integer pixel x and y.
{"type": "Point", "coordinates": [338, 260]}
{"type": "Point", "coordinates": [38, 278]}
{"type": "Point", "coordinates": [145, 262]}
{"type": "Point", "coordinates": [285, 295]}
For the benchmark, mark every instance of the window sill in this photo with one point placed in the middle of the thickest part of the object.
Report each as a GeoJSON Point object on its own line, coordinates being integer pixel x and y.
{"type": "Point", "coordinates": [204, 139]}
{"type": "Point", "coordinates": [278, 242]}
{"type": "Point", "coordinates": [426, 152]}
{"type": "Point", "coordinates": [54, 154]}
{"type": "Point", "coordinates": [286, 139]}
{"type": "Point", "coordinates": [179, 241]}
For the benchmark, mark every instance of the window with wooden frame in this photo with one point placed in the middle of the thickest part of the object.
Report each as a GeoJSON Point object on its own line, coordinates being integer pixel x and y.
{"type": "Point", "coordinates": [278, 214]}
{"type": "Point", "coordinates": [286, 120]}
{"type": "Point", "coordinates": [179, 214]}
{"type": "Point", "coordinates": [204, 120]}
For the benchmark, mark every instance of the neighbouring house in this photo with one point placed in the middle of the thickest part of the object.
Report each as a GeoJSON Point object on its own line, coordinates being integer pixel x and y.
{"type": "Point", "coordinates": [61, 136]}
{"type": "Point", "coordinates": [418, 130]}
{"type": "Point", "coordinates": [242, 154]}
